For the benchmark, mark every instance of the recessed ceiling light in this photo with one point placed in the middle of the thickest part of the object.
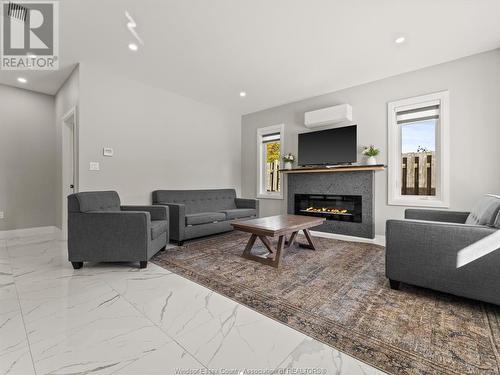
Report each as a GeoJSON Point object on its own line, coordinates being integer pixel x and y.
{"type": "Point", "coordinates": [400, 40]}
{"type": "Point", "coordinates": [133, 47]}
{"type": "Point", "coordinates": [243, 94]}
{"type": "Point", "coordinates": [22, 80]}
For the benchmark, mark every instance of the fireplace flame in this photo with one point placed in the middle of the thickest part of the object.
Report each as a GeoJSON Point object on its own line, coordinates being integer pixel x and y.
{"type": "Point", "coordinates": [340, 211]}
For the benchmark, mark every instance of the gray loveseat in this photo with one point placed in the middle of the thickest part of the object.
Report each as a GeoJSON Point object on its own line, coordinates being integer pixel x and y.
{"type": "Point", "coordinates": [197, 213]}
{"type": "Point", "coordinates": [101, 230]}
{"type": "Point", "coordinates": [440, 250]}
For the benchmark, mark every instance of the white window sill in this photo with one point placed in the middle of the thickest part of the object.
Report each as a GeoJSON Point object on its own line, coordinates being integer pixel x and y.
{"type": "Point", "coordinates": [270, 196]}
{"type": "Point", "coordinates": [418, 202]}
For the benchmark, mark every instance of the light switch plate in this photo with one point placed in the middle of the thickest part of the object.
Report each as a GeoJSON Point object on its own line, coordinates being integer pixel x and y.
{"type": "Point", "coordinates": [94, 166]}
{"type": "Point", "coordinates": [1, 215]}
{"type": "Point", "coordinates": [107, 151]}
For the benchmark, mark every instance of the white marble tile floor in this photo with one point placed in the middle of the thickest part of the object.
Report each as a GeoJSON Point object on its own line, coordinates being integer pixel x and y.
{"type": "Point", "coordinates": [118, 319]}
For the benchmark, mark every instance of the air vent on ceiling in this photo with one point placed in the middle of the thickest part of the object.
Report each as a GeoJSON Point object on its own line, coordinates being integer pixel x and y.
{"type": "Point", "coordinates": [17, 11]}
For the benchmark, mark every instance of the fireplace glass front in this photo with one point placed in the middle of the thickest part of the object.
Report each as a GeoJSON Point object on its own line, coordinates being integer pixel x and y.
{"type": "Point", "coordinates": [331, 207]}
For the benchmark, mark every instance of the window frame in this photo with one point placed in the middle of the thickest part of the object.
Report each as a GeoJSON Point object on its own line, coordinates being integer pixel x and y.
{"type": "Point", "coordinates": [442, 198]}
{"type": "Point", "coordinates": [261, 191]}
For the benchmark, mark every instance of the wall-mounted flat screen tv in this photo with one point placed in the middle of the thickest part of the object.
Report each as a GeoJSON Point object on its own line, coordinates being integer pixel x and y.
{"type": "Point", "coordinates": [328, 147]}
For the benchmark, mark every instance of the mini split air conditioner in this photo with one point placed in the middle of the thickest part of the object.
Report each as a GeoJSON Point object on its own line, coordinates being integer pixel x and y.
{"type": "Point", "coordinates": [328, 116]}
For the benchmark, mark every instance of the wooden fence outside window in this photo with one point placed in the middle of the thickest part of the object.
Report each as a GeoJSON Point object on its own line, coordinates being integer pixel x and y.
{"type": "Point", "coordinates": [418, 173]}
{"type": "Point", "coordinates": [273, 176]}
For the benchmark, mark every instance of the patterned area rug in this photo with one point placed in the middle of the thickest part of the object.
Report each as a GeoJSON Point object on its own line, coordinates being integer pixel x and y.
{"type": "Point", "coordinates": [339, 295]}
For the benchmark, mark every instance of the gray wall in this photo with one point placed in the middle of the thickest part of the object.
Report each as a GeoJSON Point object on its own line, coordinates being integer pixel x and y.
{"type": "Point", "coordinates": [474, 85]}
{"type": "Point", "coordinates": [160, 139]}
{"type": "Point", "coordinates": [66, 98]}
{"type": "Point", "coordinates": [27, 159]}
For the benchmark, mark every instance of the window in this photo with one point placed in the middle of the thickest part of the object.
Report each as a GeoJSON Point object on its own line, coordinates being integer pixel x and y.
{"type": "Point", "coordinates": [418, 151]}
{"type": "Point", "coordinates": [269, 150]}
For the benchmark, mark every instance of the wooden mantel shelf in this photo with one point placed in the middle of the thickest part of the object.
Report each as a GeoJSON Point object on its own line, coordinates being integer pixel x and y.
{"type": "Point", "coordinates": [344, 168]}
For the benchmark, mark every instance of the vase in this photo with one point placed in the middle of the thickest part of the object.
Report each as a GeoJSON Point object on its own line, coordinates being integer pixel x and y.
{"type": "Point", "coordinates": [288, 165]}
{"type": "Point", "coordinates": [371, 160]}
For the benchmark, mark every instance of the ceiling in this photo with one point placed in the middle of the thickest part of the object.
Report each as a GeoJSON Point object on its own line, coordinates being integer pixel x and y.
{"type": "Point", "coordinates": [278, 51]}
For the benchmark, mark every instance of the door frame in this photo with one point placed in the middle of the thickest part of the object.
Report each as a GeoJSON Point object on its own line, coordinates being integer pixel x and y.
{"type": "Point", "coordinates": [70, 118]}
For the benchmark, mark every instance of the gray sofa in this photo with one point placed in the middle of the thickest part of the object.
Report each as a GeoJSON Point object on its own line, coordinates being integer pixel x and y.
{"type": "Point", "coordinates": [101, 230]}
{"type": "Point", "coordinates": [425, 249]}
{"type": "Point", "coordinates": [197, 213]}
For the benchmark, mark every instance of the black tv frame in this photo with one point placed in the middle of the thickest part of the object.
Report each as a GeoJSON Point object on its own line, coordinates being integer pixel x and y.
{"type": "Point", "coordinates": [340, 163]}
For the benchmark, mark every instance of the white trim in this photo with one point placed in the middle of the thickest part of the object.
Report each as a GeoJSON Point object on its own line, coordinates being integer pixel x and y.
{"type": "Point", "coordinates": [69, 113]}
{"type": "Point", "coordinates": [72, 112]}
{"type": "Point", "coordinates": [415, 102]}
{"type": "Point", "coordinates": [26, 232]}
{"type": "Point", "coordinates": [378, 240]}
{"type": "Point", "coordinates": [442, 198]}
{"type": "Point", "coordinates": [261, 132]}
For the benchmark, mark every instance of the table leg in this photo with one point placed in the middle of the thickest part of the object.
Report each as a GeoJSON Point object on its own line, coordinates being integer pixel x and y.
{"type": "Point", "coordinates": [310, 243]}
{"type": "Point", "coordinates": [267, 243]}
{"type": "Point", "coordinates": [271, 260]}
{"type": "Point", "coordinates": [250, 243]}
{"type": "Point", "coordinates": [279, 252]}
{"type": "Point", "coordinates": [292, 239]}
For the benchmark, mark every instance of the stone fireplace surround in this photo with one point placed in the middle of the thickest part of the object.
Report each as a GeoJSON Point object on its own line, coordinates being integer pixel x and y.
{"type": "Point", "coordinates": [360, 182]}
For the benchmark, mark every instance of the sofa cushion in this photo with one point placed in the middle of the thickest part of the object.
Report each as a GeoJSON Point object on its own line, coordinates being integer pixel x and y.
{"type": "Point", "coordinates": [94, 201]}
{"type": "Point", "coordinates": [204, 218]}
{"type": "Point", "coordinates": [158, 227]}
{"type": "Point", "coordinates": [238, 213]}
{"type": "Point", "coordinates": [198, 201]}
{"type": "Point", "coordinates": [485, 211]}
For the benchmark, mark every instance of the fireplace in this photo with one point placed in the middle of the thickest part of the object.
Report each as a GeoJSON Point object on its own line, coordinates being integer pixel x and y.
{"type": "Point", "coordinates": [351, 191]}
{"type": "Point", "coordinates": [329, 206]}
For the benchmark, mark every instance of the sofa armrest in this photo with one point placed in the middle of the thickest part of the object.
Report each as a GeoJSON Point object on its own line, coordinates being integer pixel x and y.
{"type": "Point", "coordinates": [427, 247]}
{"type": "Point", "coordinates": [247, 203]}
{"type": "Point", "coordinates": [109, 236]}
{"type": "Point", "coordinates": [439, 256]}
{"type": "Point", "coordinates": [177, 222]}
{"type": "Point", "coordinates": [437, 215]}
{"type": "Point", "coordinates": [157, 212]}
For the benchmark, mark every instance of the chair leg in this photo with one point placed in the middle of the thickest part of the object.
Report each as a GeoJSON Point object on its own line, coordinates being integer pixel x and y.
{"type": "Point", "coordinates": [77, 265]}
{"type": "Point", "coordinates": [394, 284]}
{"type": "Point", "coordinates": [143, 264]}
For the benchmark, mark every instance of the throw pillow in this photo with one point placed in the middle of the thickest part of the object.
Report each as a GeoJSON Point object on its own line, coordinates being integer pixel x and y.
{"type": "Point", "coordinates": [485, 211]}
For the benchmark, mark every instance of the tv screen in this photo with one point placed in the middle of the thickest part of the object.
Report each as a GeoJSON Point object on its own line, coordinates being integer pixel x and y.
{"type": "Point", "coordinates": [328, 147]}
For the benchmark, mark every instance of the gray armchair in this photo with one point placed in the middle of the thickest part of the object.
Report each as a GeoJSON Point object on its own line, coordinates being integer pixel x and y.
{"type": "Point", "coordinates": [101, 230]}
{"type": "Point", "coordinates": [424, 250]}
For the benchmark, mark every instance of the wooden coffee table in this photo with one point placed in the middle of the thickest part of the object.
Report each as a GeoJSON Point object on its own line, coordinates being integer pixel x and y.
{"type": "Point", "coordinates": [281, 225]}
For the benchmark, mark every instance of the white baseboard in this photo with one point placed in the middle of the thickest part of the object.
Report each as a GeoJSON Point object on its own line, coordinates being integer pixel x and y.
{"type": "Point", "coordinates": [378, 240]}
{"type": "Point", "coordinates": [26, 232]}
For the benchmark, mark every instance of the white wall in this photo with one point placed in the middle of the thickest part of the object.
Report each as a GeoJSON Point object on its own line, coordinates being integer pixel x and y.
{"type": "Point", "coordinates": [27, 159]}
{"type": "Point", "coordinates": [161, 140]}
{"type": "Point", "coordinates": [474, 85]}
{"type": "Point", "coordinates": [66, 98]}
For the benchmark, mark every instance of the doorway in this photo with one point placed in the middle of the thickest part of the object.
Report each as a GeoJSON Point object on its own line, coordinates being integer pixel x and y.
{"type": "Point", "coordinates": [69, 163]}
